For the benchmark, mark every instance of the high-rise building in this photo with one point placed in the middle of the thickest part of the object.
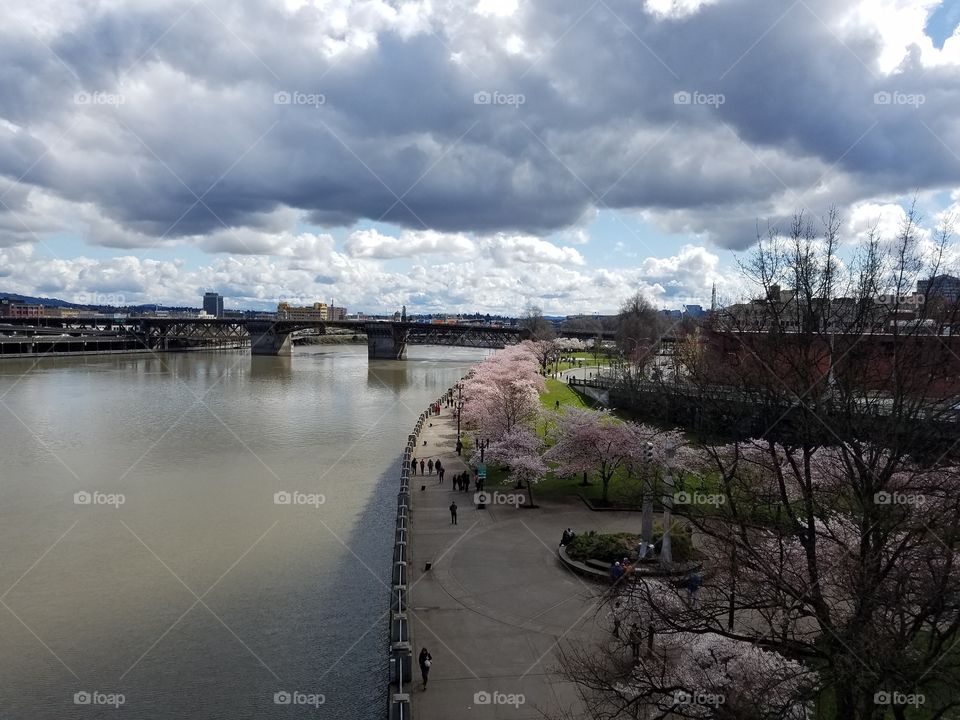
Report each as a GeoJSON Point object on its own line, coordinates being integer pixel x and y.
{"type": "Point", "coordinates": [941, 286]}
{"type": "Point", "coordinates": [213, 304]}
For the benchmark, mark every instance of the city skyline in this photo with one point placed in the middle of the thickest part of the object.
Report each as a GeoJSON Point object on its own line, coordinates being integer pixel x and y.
{"type": "Point", "coordinates": [511, 168]}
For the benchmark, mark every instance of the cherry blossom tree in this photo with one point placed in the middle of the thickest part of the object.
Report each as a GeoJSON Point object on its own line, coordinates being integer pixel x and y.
{"type": "Point", "coordinates": [520, 451]}
{"type": "Point", "coordinates": [544, 351]}
{"type": "Point", "coordinates": [834, 549]}
{"type": "Point", "coordinates": [502, 391]}
{"type": "Point", "coordinates": [594, 441]}
{"type": "Point", "coordinates": [828, 573]}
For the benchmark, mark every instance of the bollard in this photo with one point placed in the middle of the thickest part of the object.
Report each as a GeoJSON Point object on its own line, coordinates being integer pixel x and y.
{"type": "Point", "coordinates": [400, 552]}
{"type": "Point", "coordinates": [403, 499]}
{"type": "Point", "coordinates": [400, 535]}
{"type": "Point", "coordinates": [399, 630]}
{"type": "Point", "coordinates": [400, 708]}
{"type": "Point", "coordinates": [402, 522]}
{"type": "Point", "coordinates": [400, 667]}
{"type": "Point", "coordinates": [398, 601]}
{"type": "Point", "coordinates": [402, 511]}
{"type": "Point", "coordinates": [400, 571]}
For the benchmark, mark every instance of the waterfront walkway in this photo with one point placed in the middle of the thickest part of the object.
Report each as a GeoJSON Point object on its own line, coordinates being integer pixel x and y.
{"type": "Point", "coordinates": [497, 601]}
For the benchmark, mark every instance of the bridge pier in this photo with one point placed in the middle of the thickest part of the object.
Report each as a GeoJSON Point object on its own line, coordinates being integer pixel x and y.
{"type": "Point", "coordinates": [386, 341]}
{"type": "Point", "coordinates": [265, 339]}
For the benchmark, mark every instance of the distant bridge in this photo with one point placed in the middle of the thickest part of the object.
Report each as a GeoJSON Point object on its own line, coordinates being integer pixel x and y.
{"type": "Point", "coordinates": [385, 340]}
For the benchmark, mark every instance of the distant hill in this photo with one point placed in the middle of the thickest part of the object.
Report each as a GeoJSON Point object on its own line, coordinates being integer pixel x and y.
{"type": "Point", "coordinates": [29, 299]}
{"type": "Point", "coordinates": [57, 302]}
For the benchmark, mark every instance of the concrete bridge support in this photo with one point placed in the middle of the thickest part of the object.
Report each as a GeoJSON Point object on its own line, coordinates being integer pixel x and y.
{"type": "Point", "coordinates": [386, 341]}
{"type": "Point", "coordinates": [265, 339]}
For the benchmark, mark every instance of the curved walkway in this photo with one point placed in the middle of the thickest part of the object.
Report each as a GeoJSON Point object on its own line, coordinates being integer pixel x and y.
{"type": "Point", "coordinates": [497, 599]}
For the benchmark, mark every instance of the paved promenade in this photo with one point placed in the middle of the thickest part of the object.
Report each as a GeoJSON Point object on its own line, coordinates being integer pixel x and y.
{"type": "Point", "coordinates": [497, 601]}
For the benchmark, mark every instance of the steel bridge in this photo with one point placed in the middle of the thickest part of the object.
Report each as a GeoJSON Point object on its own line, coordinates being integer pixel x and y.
{"type": "Point", "coordinates": [264, 336]}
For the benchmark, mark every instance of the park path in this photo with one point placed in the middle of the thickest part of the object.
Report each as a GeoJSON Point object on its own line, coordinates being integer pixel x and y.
{"type": "Point", "coordinates": [496, 601]}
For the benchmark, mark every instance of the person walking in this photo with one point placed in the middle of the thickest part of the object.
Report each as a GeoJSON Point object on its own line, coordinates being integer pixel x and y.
{"type": "Point", "coordinates": [425, 661]}
{"type": "Point", "coordinates": [430, 465]}
{"type": "Point", "coordinates": [441, 472]}
{"type": "Point", "coordinates": [413, 466]}
{"type": "Point", "coordinates": [422, 465]}
{"type": "Point", "coordinates": [453, 513]}
{"type": "Point", "coordinates": [634, 637]}
{"type": "Point", "coordinates": [694, 581]}
{"type": "Point", "coordinates": [459, 446]}
{"type": "Point", "coordinates": [616, 616]}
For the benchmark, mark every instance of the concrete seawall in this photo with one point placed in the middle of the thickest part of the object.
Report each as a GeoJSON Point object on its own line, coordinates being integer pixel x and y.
{"type": "Point", "coordinates": [403, 670]}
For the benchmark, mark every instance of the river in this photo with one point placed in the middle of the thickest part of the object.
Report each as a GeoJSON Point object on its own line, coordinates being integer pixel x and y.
{"type": "Point", "coordinates": [144, 550]}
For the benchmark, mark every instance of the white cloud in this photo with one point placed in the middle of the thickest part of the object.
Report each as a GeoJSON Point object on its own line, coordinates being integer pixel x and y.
{"type": "Point", "coordinates": [373, 244]}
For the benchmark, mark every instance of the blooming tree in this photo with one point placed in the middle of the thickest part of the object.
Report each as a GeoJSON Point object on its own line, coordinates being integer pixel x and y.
{"type": "Point", "coordinates": [520, 451]}
{"type": "Point", "coordinates": [832, 571]}
{"type": "Point", "coordinates": [594, 441]}
{"type": "Point", "coordinates": [502, 391]}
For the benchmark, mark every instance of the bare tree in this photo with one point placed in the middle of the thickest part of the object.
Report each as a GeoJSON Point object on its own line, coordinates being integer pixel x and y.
{"type": "Point", "coordinates": [540, 328]}
{"type": "Point", "coordinates": [638, 324]}
{"type": "Point", "coordinates": [828, 522]}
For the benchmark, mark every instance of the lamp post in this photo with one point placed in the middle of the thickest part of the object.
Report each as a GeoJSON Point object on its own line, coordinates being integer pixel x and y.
{"type": "Point", "coordinates": [646, 517]}
{"type": "Point", "coordinates": [666, 555]}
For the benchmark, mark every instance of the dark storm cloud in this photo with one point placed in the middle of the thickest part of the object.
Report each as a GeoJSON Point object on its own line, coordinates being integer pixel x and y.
{"type": "Point", "coordinates": [198, 142]}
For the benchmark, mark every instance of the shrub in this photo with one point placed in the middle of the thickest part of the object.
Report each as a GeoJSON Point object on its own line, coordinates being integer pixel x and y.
{"type": "Point", "coordinates": [616, 546]}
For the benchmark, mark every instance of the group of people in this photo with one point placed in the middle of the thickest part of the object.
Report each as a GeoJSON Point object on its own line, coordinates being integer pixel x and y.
{"type": "Point", "coordinates": [435, 408]}
{"type": "Point", "coordinates": [620, 569]}
{"type": "Point", "coordinates": [461, 482]}
{"type": "Point", "coordinates": [427, 466]}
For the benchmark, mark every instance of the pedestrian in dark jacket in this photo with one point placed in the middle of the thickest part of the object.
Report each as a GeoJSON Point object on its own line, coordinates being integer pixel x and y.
{"type": "Point", "coordinates": [425, 661]}
{"type": "Point", "coordinates": [430, 465]}
{"type": "Point", "coordinates": [453, 513]}
{"type": "Point", "coordinates": [422, 465]}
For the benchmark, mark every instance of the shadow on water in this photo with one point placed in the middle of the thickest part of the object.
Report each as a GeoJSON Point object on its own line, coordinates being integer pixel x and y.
{"type": "Point", "coordinates": [272, 367]}
{"type": "Point", "coordinates": [392, 373]}
{"type": "Point", "coordinates": [354, 609]}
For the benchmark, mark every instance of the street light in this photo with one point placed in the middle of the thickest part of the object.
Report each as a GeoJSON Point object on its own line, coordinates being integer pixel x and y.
{"type": "Point", "coordinates": [666, 555]}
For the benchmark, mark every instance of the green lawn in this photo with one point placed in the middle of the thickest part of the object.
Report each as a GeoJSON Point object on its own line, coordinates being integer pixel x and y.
{"type": "Point", "coordinates": [559, 390]}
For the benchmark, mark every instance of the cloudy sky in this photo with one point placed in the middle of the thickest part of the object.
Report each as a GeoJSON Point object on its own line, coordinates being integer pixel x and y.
{"type": "Point", "coordinates": [456, 154]}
